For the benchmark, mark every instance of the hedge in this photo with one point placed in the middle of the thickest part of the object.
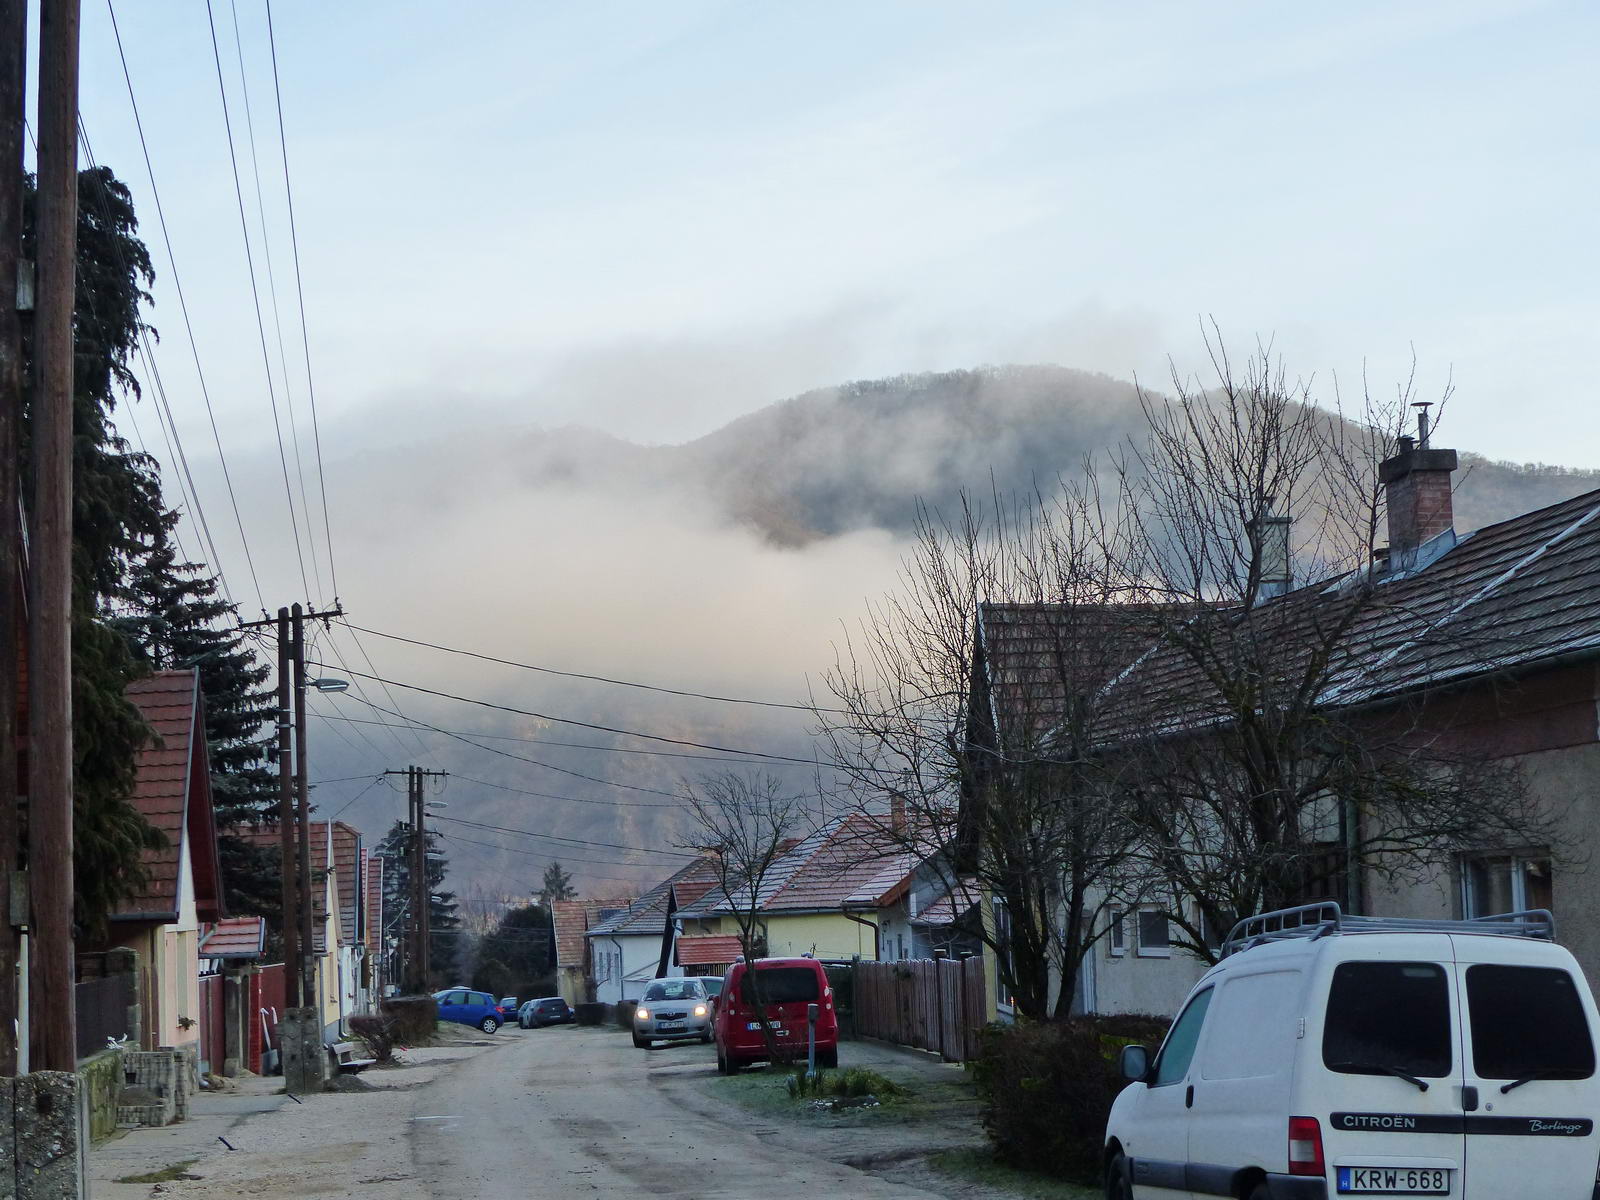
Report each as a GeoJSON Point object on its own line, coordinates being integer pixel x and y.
{"type": "Point", "coordinates": [1045, 1090]}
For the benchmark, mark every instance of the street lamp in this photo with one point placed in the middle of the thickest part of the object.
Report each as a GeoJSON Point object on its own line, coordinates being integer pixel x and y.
{"type": "Point", "coordinates": [329, 683]}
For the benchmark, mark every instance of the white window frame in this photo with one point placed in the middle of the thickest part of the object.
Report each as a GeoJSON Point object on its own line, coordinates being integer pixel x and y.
{"type": "Point", "coordinates": [1118, 932]}
{"type": "Point", "coordinates": [1518, 889]}
{"type": "Point", "coordinates": [1143, 951]}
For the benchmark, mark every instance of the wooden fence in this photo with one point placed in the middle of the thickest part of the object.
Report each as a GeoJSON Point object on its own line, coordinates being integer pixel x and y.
{"type": "Point", "coordinates": [932, 1004]}
{"type": "Point", "coordinates": [105, 1008]}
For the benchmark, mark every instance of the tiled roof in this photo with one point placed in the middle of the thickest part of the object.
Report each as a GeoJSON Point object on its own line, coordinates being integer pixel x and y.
{"type": "Point", "coordinates": [236, 937]}
{"type": "Point", "coordinates": [852, 860]}
{"type": "Point", "coordinates": [648, 914]}
{"type": "Point", "coordinates": [372, 927]}
{"type": "Point", "coordinates": [346, 863]}
{"type": "Point", "coordinates": [709, 950]}
{"type": "Point", "coordinates": [571, 918]}
{"type": "Point", "coordinates": [950, 907]}
{"type": "Point", "coordinates": [172, 791]}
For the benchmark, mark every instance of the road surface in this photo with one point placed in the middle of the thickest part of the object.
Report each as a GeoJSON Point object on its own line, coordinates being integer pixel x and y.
{"type": "Point", "coordinates": [580, 1112]}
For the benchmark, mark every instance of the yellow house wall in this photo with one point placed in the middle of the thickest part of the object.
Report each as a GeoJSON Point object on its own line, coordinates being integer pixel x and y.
{"type": "Point", "coordinates": [824, 935]}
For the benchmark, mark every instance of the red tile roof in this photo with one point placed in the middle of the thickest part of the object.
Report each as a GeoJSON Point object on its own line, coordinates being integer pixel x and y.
{"type": "Point", "coordinates": [172, 791]}
{"type": "Point", "coordinates": [346, 851]}
{"type": "Point", "coordinates": [709, 950]}
{"type": "Point", "coordinates": [236, 937]}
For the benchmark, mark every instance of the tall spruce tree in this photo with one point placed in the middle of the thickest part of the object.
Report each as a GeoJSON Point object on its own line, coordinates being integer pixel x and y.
{"type": "Point", "coordinates": [444, 922]}
{"type": "Point", "coordinates": [557, 885]}
{"type": "Point", "coordinates": [117, 517]}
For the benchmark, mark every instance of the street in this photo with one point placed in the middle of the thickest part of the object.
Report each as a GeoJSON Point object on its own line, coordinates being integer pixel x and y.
{"type": "Point", "coordinates": [566, 1111]}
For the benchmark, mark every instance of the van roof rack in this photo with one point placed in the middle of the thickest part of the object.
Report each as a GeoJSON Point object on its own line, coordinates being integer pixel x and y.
{"type": "Point", "coordinates": [1327, 918]}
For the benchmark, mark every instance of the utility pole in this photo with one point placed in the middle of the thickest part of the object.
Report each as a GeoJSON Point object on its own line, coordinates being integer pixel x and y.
{"type": "Point", "coordinates": [50, 565]}
{"type": "Point", "coordinates": [290, 876]}
{"type": "Point", "coordinates": [13, 74]}
{"type": "Point", "coordinates": [297, 651]}
{"type": "Point", "coordinates": [420, 948]}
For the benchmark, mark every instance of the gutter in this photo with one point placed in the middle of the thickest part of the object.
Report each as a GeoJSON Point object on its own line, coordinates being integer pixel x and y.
{"type": "Point", "coordinates": [877, 955]}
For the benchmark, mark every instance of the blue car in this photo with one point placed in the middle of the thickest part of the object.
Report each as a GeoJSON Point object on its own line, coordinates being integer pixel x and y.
{"type": "Point", "coordinates": [466, 1007]}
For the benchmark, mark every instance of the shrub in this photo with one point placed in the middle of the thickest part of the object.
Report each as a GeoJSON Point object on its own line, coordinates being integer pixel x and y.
{"type": "Point", "coordinates": [857, 1081]}
{"type": "Point", "coordinates": [1045, 1090]}
{"type": "Point", "coordinates": [591, 1013]}
{"type": "Point", "coordinates": [410, 1019]}
{"type": "Point", "coordinates": [624, 1013]}
{"type": "Point", "coordinates": [376, 1033]}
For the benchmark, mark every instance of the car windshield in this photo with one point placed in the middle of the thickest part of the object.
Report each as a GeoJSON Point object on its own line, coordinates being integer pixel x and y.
{"type": "Point", "coordinates": [675, 989]}
{"type": "Point", "coordinates": [713, 986]}
{"type": "Point", "coordinates": [781, 985]}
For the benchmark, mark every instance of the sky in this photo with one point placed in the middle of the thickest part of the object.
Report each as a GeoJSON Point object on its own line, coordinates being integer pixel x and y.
{"type": "Point", "coordinates": [649, 219]}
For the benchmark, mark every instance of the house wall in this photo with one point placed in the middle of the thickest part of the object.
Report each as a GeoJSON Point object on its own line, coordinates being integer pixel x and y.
{"type": "Point", "coordinates": [640, 955]}
{"type": "Point", "coordinates": [822, 935]}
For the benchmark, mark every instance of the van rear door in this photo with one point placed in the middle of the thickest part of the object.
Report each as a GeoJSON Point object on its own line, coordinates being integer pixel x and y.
{"type": "Point", "coordinates": [1388, 1076]}
{"type": "Point", "coordinates": [1530, 1023]}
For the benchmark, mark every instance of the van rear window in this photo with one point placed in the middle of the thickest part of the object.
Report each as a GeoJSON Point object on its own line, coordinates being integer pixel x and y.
{"type": "Point", "coordinates": [1385, 1017]}
{"type": "Point", "coordinates": [1527, 1023]}
{"type": "Point", "coordinates": [781, 985]}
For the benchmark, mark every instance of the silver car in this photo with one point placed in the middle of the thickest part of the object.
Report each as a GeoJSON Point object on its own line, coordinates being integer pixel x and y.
{"type": "Point", "coordinates": [672, 1010]}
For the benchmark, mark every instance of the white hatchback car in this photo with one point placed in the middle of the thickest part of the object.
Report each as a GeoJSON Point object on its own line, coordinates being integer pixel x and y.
{"type": "Point", "coordinates": [1330, 1056]}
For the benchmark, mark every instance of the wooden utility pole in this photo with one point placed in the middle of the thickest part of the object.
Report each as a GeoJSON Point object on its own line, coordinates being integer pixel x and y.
{"type": "Point", "coordinates": [421, 905]}
{"type": "Point", "coordinates": [50, 549]}
{"type": "Point", "coordinates": [13, 73]}
{"type": "Point", "coordinates": [308, 942]}
{"type": "Point", "coordinates": [286, 815]}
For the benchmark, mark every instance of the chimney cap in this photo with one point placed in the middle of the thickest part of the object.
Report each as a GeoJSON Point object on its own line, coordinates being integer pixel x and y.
{"type": "Point", "coordinates": [1411, 460]}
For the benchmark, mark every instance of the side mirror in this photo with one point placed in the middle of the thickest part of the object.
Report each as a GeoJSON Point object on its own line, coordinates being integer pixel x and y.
{"type": "Point", "coordinates": [1135, 1063]}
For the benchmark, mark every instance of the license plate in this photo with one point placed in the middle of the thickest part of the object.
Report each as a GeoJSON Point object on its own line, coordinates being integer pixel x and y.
{"type": "Point", "coordinates": [1394, 1181]}
{"type": "Point", "coordinates": [670, 1026]}
{"type": "Point", "coordinates": [753, 1026]}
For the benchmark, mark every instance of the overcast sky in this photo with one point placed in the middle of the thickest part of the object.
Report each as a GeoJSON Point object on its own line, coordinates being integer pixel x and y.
{"type": "Point", "coordinates": [653, 217]}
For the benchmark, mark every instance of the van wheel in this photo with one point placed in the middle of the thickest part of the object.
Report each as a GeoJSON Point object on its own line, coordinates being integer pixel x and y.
{"type": "Point", "coordinates": [1117, 1185]}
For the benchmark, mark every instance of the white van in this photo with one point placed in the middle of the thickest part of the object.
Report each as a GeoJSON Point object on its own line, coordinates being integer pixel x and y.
{"type": "Point", "coordinates": [1329, 1055]}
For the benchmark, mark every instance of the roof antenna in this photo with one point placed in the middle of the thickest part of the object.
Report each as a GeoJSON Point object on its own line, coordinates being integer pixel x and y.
{"type": "Point", "coordinates": [1422, 407]}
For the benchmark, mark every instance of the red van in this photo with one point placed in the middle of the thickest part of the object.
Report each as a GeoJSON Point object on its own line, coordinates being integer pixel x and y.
{"type": "Point", "coordinates": [787, 987]}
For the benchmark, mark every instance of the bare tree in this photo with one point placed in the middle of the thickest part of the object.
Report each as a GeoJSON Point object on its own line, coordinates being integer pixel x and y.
{"type": "Point", "coordinates": [745, 824]}
{"type": "Point", "coordinates": [964, 716]}
{"type": "Point", "coordinates": [1256, 777]}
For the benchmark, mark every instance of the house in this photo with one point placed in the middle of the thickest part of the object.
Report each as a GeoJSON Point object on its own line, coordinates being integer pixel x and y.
{"type": "Point", "coordinates": [371, 930]}
{"type": "Point", "coordinates": [931, 915]}
{"type": "Point", "coordinates": [338, 897]}
{"type": "Point", "coordinates": [574, 972]}
{"type": "Point", "coordinates": [823, 897]}
{"type": "Point", "coordinates": [162, 923]}
{"type": "Point", "coordinates": [1485, 643]}
{"type": "Point", "coordinates": [630, 946]}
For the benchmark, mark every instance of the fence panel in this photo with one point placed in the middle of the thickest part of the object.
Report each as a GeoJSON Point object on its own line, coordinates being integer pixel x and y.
{"type": "Point", "coordinates": [103, 1007]}
{"type": "Point", "coordinates": [930, 1004]}
{"type": "Point", "coordinates": [213, 1034]}
{"type": "Point", "coordinates": [266, 1004]}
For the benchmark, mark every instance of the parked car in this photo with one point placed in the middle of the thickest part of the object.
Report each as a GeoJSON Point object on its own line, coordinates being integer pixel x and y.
{"type": "Point", "coordinates": [787, 988]}
{"type": "Point", "coordinates": [466, 1007]}
{"type": "Point", "coordinates": [508, 1009]}
{"type": "Point", "coordinates": [552, 1010]}
{"type": "Point", "coordinates": [713, 987]}
{"type": "Point", "coordinates": [672, 1010]}
{"type": "Point", "coordinates": [1328, 1055]}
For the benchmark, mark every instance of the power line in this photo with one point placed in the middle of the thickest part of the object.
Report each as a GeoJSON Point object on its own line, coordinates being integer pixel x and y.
{"type": "Point", "coordinates": [183, 305]}
{"type": "Point", "coordinates": [555, 837]}
{"type": "Point", "coordinates": [356, 797]}
{"type": "Point", "coordinates": [255, 293]}
{"type": "Point", "coordinates": [653, 737]}
{"type": "Point", "coordinates": [546, 858]}
{"type": "Point", "coordinates": [572, 799]}
{"type": "Point", "coordinates": [632, 787]}
{"type": "Point", "coordinates": [305, 337]}
{"type": "Point", "coordinates": [627, 683]}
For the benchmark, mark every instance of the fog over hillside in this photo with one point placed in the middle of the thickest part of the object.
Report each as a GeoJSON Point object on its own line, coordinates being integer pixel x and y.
{"type": "Point", "coordinates": [728, 565]}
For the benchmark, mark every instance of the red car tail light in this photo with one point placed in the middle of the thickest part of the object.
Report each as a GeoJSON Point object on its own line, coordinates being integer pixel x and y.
{"type": "Point", "coordinates": [1305, 1147]}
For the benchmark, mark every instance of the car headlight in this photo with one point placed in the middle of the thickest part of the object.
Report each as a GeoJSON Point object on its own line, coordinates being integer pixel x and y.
{"type": "Point", "coordinates": [699, 1010]}
{"type": "Point", "coordinates": [641, 1014]}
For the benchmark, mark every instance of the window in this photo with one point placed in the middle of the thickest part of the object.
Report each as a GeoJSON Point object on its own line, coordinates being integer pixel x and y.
{"type": "Point", "coordinates": [1527, 1023]}
{"type": "Point", "coordinates": [1388, 1016]}
{"type": "Point", "coordinates": [1499, 883]}
{"type": "Point", "coordinates": [1117, 943]}
{"type": "Point", "coordinates": [781, 985]}
{"type": "Point", "coordinates": [674, 989]}
{"type": "Point", "coordinates": [1155, 939]}
{"type": "Point", "coordinates": [1177, 1052]}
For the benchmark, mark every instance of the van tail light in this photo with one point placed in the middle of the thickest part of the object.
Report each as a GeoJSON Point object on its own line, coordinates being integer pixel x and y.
{"type": "Point", "coordinates": [1305, 1147]}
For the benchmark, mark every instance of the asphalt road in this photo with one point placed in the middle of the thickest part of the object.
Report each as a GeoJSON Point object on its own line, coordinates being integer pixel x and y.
{"type": "Point", "coordinates": [579, 1112]}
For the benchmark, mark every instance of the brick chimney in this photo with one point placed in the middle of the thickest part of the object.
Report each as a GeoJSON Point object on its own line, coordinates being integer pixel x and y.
{"type": "Point", "coordinates": [1417, 489]}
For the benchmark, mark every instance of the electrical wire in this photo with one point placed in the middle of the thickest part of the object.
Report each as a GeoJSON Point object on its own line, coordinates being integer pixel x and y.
{"type": "Point", "coordinates": [653, 737]}
{"type": "Point", "coordinates": [183, 306]}
{"type": "Point", "coordinates": [545, 858]}
{"type": "Point", "coordinates": [356, 797]}
{"type": "Point", "coordinates": [627, 683]}
{"type": "Point", "coordinates": [556, 837]}
{"type": "Point", "coordinates": [255, 293]}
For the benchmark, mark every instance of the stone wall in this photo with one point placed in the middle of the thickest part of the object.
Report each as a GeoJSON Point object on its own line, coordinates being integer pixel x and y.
{"type": "Point", "coordinates": [102, 1084]}
{"type": "Point", "coordinates": [157, 1086]}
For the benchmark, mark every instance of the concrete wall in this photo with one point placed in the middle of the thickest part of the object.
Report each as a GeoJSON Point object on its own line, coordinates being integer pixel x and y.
{"type": "Point", "coordinates": [102, 1083]}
